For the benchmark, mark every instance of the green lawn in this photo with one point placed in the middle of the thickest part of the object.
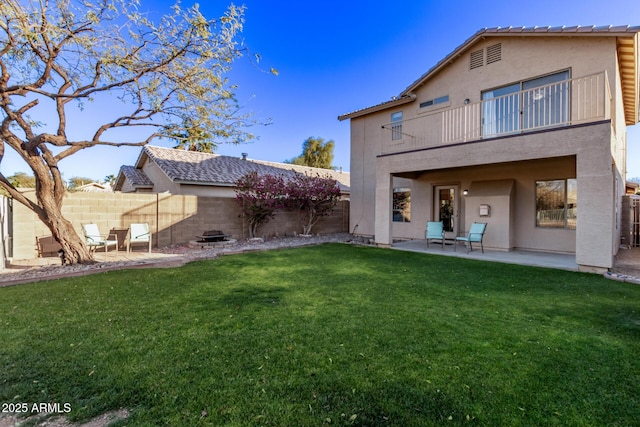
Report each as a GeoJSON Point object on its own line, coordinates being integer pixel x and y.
{"type": "Point", "coordinates": [328, 335]}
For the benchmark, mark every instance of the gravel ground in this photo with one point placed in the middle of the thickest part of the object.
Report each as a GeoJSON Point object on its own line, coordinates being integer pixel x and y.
{"type": "Point", "coordinates": [626, 266]}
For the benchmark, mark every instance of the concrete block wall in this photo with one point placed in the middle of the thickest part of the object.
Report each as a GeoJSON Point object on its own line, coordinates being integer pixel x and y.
{"type": "Point", "coordinates": [629, 217]}
{"type": "Point", "coordinates": [173, 219]}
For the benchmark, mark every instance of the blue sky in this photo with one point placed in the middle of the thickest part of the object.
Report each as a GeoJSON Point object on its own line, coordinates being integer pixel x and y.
{"type": "Point", "coordinates": [338, 56]}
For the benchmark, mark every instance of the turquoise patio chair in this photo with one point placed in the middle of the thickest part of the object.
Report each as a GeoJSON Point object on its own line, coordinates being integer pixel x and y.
{"type": "Point", "coordinates": [475, 235]}
{"type": "Point", "coordinates": [434, 231]}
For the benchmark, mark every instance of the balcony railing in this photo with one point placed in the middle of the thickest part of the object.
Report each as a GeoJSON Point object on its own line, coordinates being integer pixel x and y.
{"type": "Point", "coordinates": [564, 103]}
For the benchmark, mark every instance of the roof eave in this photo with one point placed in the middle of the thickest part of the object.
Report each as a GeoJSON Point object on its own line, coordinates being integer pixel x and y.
{"type": "Point", "coordinates": [444, 62]}
{"type": "Point", "coordinates": [619, 32]}
{"type": "Point", "coordinates": [203, 183]}
{"type": "Point", "coordinates": [142, 157]}
{"type": "Point", "coordinates": [629, 76]}
{"type": "Point", "coordinates": [380, 107]}
{"type": "Point", "coordinates": [120, 178]}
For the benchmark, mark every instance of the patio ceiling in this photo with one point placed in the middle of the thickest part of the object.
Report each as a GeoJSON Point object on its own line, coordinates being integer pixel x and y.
{"type": "Point", "coordinates": [628, 58]}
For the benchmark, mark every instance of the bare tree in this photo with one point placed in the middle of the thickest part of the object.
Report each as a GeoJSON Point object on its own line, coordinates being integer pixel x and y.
{"type": "Point", "coordinates": [57, 56]}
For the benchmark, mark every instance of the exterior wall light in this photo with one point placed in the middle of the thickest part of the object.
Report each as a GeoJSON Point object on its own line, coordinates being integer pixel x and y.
{"type": "Point", "coordinates": [465, 192]}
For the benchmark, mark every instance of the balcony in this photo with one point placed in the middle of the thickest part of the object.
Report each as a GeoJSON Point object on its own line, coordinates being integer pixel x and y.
{"type": "Point", "coordinates": [560, 104]}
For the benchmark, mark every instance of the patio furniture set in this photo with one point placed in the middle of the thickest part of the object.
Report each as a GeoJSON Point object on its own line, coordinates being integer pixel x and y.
{"type": "Point", "coordinates": [435, 231]}
{"type": "Point", "coordinates": [136, 233]}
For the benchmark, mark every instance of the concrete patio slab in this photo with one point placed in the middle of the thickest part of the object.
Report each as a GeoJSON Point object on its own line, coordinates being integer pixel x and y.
{"type": "Point", "coordinates": [537, 259]}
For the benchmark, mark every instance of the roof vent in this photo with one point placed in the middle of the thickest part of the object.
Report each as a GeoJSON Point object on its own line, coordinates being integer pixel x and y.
{"type": "Point", "coordinates": [476, 59]}
{"type": "Point", "coordinates": [244, 156]}
{"type": "Point", "coordinates": [494, 53]}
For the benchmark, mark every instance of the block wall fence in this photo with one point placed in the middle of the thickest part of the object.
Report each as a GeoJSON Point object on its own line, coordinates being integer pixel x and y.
{"type": "Point", "coordinates": [173, 219]}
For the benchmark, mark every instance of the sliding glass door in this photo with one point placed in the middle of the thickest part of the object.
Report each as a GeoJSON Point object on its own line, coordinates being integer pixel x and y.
{"type": "Point", "coordinates": [545, 101]}
{"type": "Point", "coordinates": [446, 208]}
{"type": "Point", "coordinates": [500, 110]}
{"type": "Point", "coordinates": [530, 104]}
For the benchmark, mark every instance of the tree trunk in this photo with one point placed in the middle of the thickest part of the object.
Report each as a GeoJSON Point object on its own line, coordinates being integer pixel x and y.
{"type": "Point", "coordinates": [253, 228]}
{"type": "Point", "coordinates": [306, 218]}
{"type": "Point", "coordinates": [74, 247]}
{"type": "Point", "coordinates": [75, 250]}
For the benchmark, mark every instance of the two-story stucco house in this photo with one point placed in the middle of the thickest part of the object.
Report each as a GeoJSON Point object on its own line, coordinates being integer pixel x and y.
{"type": "Point", "coordinates": [521, 128]}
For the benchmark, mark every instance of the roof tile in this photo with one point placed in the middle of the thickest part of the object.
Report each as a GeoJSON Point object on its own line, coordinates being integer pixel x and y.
{"type": "Point", "coordinates": [136, 176]}
{"type": "Point", "coordinates": [204, 168]}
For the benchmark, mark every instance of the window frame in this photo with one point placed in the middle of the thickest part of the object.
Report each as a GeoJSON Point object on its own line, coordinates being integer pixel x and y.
{"type": "Point", "coordinates": [518, 107]}
{"type": "Point", "coordinates": [435, 101]}
{"type": "Point", "coordinates": [401, 214]}
{"type": "Point", "coordinates": [568, 200]}
{"type": "Point", "coordinates": [396, 126]}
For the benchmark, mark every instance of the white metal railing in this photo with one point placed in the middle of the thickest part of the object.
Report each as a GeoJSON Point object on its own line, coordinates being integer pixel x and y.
{"type": "Point", "coordinates": [557, 218]}
{"type": "Point", "coordinates": [563, 103]}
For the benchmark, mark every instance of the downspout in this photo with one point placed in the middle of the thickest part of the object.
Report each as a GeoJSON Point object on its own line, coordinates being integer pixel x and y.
{"type": "Point", "coordinates": [157, 217]}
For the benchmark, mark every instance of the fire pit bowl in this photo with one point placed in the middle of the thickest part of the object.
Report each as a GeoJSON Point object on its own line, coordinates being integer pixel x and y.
{"type": "Point", "coordinates": [212, 238]}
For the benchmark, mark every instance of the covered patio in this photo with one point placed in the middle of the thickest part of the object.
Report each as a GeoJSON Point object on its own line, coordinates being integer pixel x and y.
{"type": "Point", "coordinates": [559, 261]}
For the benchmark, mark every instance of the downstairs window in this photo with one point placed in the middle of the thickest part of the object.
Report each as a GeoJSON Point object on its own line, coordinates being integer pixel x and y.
{"type": "Point", "coordinates": [557, 203]}
{"type": "Point", "coordinates": [402, 204]}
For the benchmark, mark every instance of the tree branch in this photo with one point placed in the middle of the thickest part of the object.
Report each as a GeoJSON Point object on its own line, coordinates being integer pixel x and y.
{"type": "Point", "coordinates": [21, 198]}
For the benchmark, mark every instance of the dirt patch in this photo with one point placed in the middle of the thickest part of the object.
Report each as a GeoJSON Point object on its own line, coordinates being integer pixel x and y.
{"type": "Point", "coordinates": [104, 420]}
{"type": "Point", "coordinates": [627, 259]}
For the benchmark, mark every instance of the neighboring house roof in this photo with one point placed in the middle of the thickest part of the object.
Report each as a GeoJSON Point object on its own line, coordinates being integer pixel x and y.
{"type": "Point", "coordinates": [137, 178]}
{"type": "Point", "coordinates": [627, 44]}
{"type": "Point", "coordinates": [191, 167]}
{"type": "Point", "coordinates": [94, 187]}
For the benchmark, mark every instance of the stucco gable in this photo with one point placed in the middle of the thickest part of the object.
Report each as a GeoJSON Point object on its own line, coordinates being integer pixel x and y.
{"type": "Point", "coordinates": [627, 48]}
{"type": "Point", "coordinates": [574, 31]}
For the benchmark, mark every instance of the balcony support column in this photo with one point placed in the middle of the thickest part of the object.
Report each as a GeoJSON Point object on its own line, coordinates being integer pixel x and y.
{"type": "Point", "coordinates": [383, 208]}
{"type": "Point", "coordinates": [596, 210]}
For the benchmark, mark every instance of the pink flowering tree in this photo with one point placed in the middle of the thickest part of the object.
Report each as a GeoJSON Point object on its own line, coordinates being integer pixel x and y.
{"type": "Point", "coordinates": [259, 197]}
{"type": "Point", "coordinates": [313, 197]}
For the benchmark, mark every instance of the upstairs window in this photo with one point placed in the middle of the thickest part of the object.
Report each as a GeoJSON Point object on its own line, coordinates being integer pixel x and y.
{"type": "Point", "coordinates": [396, 126]}
{"type": "Point", "coordinates": [526, 105]}
{"type": "Point", "coordinates": [435, 101]}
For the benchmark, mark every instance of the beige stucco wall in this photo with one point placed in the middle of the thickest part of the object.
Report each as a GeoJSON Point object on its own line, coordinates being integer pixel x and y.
{"type": "Point", "coordinates": [522, 58]}
{"type": "Point", "coordinates": [499, 197]}
{"type": "Point", "coordinates": [208, 191]}
{"type": "Point", "coordinates": [506, 158]}
{"type": "Point", "coordinates": [173, 219]}
{"type": "Point", "coordinates": [594, 153]}
{"type": "Point", "coordinates": [512, 221]}
{"type": "Point", "coordinates": [161, 182]}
